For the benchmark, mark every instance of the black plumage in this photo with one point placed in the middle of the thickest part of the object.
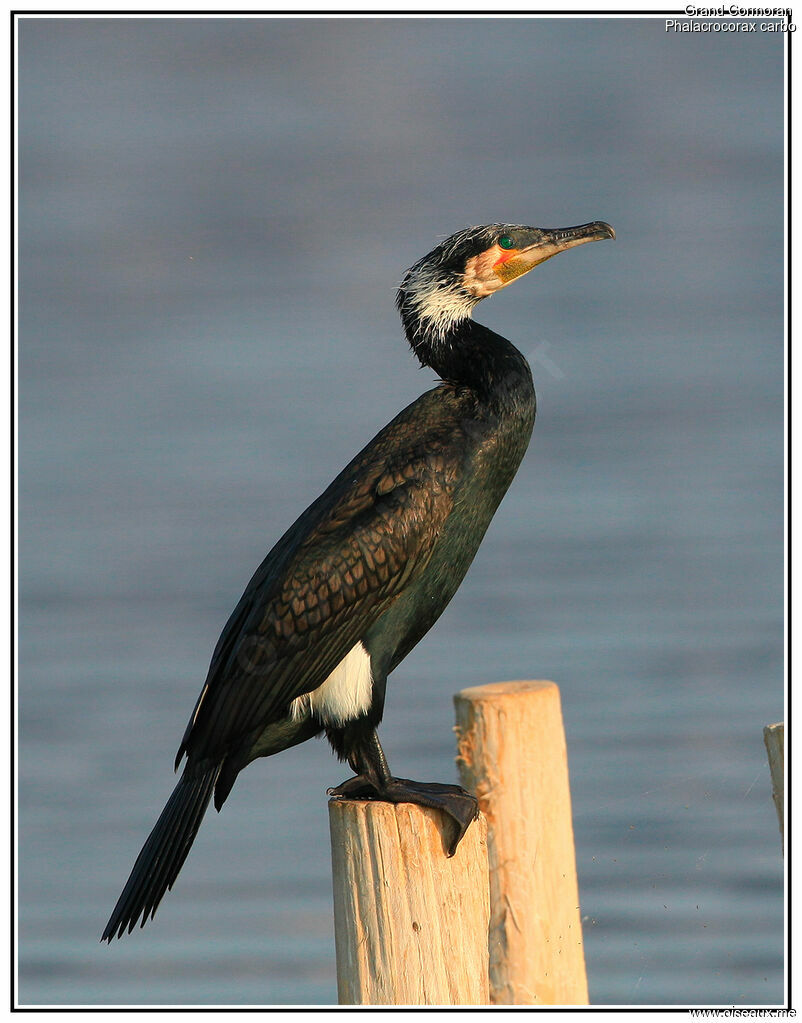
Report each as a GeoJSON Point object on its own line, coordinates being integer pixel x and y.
{"type": "Point", "coordinates": [368, 568]}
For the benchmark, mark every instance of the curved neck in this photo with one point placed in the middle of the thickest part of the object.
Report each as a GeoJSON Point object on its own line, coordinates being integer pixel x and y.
{"type": "Point", "coordinates": [469, 354]}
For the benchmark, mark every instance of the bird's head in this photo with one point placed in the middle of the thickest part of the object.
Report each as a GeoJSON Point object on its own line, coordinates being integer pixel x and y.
{"type": "Point", "coordinates": [441, 289]}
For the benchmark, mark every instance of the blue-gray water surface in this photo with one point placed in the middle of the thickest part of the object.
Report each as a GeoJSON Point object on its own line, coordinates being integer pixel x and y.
{"type": "Point", "coordinates": [213, 216]}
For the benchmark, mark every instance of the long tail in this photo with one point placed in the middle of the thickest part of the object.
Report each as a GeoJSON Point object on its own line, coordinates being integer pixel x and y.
{"type": "Point", "coordinates": [163, 854]}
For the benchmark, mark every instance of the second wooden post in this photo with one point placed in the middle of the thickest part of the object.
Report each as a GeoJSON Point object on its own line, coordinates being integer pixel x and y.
{"type": "Point", "coordinates": [512, 755]}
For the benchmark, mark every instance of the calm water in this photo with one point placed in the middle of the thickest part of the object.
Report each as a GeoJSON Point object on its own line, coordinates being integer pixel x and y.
{"type": "Point", "coordinates": [213, 217]}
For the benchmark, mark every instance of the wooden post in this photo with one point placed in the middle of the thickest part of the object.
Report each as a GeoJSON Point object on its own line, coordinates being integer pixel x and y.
{"type": "Point", "coordinates": [774, 738]}
{"type": "Point", "coordinates": [410, 923]}
{"type": "Point", "coordinates": [512, 755]}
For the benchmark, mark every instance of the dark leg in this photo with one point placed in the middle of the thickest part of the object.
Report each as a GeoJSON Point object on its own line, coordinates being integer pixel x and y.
{"type": "Point", "coordinates": [374, 781]}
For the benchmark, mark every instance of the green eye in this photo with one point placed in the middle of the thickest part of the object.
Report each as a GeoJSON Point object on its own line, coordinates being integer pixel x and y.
{"type": "Point", "coordinates": [505, 241]}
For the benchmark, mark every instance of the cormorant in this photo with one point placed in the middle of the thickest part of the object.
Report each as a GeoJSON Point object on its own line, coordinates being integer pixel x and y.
{"type": "Point", "coordinates": [370, 566]}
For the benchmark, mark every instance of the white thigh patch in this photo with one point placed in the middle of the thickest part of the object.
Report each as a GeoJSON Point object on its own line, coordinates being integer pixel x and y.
{"type": "Point", "coordinates": [346, 694]}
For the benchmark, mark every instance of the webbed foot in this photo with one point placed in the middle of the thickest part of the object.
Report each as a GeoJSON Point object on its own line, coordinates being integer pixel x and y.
{"type": "Point", "coordinates": [459, 806]}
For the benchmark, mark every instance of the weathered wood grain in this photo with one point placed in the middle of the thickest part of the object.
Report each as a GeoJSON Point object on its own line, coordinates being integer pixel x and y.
{"type": "Point", "coordinates": [411, 924]}
{"type": "Point", "coordinates": [512, 755]}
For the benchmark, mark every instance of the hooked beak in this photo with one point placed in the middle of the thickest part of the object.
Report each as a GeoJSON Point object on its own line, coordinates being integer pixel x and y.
{"type": "Point", "coordinates": [555, 240]}
{"type": "Point", "coordinates": [548, 243]}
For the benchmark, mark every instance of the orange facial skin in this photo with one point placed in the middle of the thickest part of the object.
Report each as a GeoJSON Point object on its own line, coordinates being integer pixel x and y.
{"type": "Point", "coordinates": [506, 254]}
{"type": "Point", "coordinates": [507, 267]}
